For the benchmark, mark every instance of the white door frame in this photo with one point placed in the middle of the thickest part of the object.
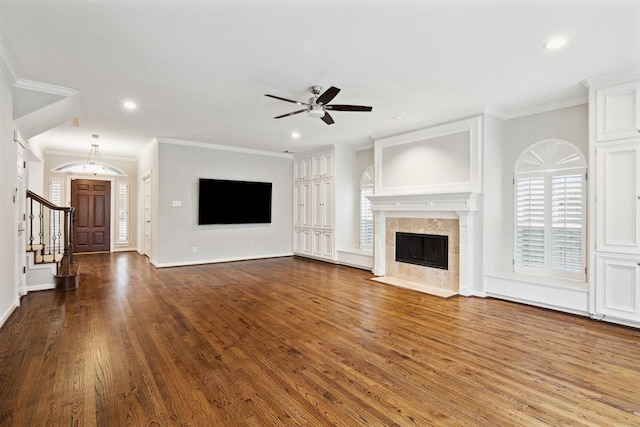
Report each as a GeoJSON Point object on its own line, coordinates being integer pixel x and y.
{"type": "Point", "coordinates": [20, 200]}
{"type": "Point", "coordinates": [147, 198]}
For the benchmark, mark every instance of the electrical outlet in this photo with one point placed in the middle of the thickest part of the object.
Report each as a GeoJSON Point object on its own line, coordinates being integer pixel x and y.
{"type": "Point", "coordinates": [195, 249]}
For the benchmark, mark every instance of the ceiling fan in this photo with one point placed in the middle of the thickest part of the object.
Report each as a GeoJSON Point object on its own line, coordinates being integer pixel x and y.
{"type": "Point", "coordinates": [318, 104]}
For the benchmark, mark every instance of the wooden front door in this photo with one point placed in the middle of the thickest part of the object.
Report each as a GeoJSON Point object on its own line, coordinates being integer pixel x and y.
{"type": "Point", "coordinates": [91, 228]}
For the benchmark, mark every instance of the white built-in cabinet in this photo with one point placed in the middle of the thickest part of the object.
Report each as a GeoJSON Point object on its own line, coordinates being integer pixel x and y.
{"type": "Point", "coordinates": [615, 174]}
{"type": "Point", "coordinates": [323, 191]}
{"type": "Point", "coordinates": [618, 112]}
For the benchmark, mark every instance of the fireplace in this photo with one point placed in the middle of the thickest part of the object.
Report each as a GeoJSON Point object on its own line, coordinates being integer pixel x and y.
{"type": "Point", "coordinates": [429, 250]}
{"type": "Point", "coordinates": [443, 214]}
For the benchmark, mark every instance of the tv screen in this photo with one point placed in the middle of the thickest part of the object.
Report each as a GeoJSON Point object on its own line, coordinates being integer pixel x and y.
{"type": "Point", "coordinates": [233, 202]}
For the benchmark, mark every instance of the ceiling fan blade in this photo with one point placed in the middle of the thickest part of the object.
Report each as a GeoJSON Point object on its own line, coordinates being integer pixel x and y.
{"type": "Point", "coordinates": [287, 100]}
{"type": "Point", "coordinates": [338, 107]}
{"type": "Point", "coordinates": [327, 119]}
{"type": "Point", "coordinates": [328, 95]}
{"type": "Point", "coordinates": [291, 114]}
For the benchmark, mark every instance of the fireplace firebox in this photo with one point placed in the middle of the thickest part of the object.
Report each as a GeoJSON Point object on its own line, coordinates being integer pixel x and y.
{"type": "Point", "coordinates": [429, 250]}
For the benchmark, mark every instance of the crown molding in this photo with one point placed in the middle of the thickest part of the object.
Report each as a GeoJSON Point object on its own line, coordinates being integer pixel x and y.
{"type": "Point", "coordinates": [615, 77]}
{"type": "Point", "coordinates": [7, 64]}
{"type": "Point", "coordinates": [45, 88]}
{"type": "Point", "coordinates": [208, 146]}
{"type": "Point", "coordinates": [76, 154]}
{"type": "Point", "coordinates": [537, 109]}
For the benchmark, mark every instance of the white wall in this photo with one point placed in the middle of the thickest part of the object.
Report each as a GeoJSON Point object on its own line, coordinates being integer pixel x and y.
{"type": "Point", "coordinates": [148, 167]}
{"type": "Point", "coordinates": [492, 216]}
{"type": "Point", "coordinates": [179, 168]}
{"type": "Point", "coordinates": [36, 177]}
{"type": "Point", "coordinates": [570, 124]}
{"type": "Point", "coordinates": [8, 225]}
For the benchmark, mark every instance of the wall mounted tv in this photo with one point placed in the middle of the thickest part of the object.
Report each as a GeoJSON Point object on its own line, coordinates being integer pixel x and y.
{"type": "Point", "coordinates": [233, 202]}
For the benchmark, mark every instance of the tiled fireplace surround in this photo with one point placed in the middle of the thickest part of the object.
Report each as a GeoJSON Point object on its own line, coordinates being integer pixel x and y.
{"type": "Point", "coordinates": [449, 214]}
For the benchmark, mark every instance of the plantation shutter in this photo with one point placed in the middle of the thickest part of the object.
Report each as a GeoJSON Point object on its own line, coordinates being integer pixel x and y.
{"type": "Point", "coordinates": [123, 212]}
{"type": "Point", "coordinates": [55, 197]}
{"type": "Point", "coordinates": [366, 218]}
{"type": "Point", "coordinates": [530, 221]}
{"type": "Point", "coordinates": [567, 228]}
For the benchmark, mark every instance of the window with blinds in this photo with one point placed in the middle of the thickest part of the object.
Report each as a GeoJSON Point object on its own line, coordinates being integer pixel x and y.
{"type": "Point", "coordinates": [55, 197]}
{"type": "Point", "coordinates": [530, 222]}
{"type": "Point", "coordinates": [366, 218]}
{"type": "Point", "coordinates": [567, 225]}
{"type": "Point", "coordinates": [550, 223]}
{"type": "Point", "coordinates": [366, 215]}
{"type": "Point", "coordinates": [123, 213]}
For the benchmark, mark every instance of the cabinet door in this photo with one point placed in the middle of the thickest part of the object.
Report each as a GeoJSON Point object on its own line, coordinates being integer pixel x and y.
{"type": "Point", "coordinates": [618, 189]}
{"type": "Point", "coordinates": [322, 200]}
{"type": "Point", "coordinates": [618, 112]}
{"type": "Point", "coordinates": [618, 290]}
{"type": "Point", "coordinates": [301, 169]}
{"type": "Point", "coordinates": [297, 174]}
{"type": "Point", "coordinates": [326, 206]}
{"type": "Point", "coordinates": [327, 244]}
{"type": "Point", "coordinates": [305, 194]}
{"type": "Point", "coordinates": [327, 164]}
{"type": "Point", "coordinates": [317, 200]}
{"type": "Point", "coordinates": [298, 206]}
{"type": "Point", "coordinates": [301, 241]}
{"type": "Point", "coordinates": [302, 204]}
{"type": "Point", "coordinates": [322, 244]}
{"type": "Point", "coordinates": [316, 243]}
{"type": "Point", "coordinates": [322, 165]}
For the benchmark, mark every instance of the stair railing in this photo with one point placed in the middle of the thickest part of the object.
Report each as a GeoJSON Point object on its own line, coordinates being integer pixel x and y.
{"type": "Point", "coordinates": [54, 233]}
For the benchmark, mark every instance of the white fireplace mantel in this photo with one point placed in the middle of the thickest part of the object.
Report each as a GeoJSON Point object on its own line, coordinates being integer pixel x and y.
{"type": "Point", "coordinates": [433, 202]}
{"type": "Point", "coordinates": [457, 205]}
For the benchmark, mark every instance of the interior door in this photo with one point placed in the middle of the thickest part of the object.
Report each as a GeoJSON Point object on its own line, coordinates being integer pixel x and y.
{"type": "Point", "coordinates": [20, 198]}
{"type": "Point", "coordinates": [91, 227]}
{"type": "Point", "coordinates": [147, 216]}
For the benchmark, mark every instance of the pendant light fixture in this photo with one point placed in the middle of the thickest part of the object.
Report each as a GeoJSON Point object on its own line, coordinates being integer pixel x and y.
{"type": "Point", "coordinates": [94, 162]}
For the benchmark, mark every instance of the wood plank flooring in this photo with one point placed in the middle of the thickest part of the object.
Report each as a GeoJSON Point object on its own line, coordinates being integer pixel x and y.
{"type": "Point", "coordinates": [289, 341]}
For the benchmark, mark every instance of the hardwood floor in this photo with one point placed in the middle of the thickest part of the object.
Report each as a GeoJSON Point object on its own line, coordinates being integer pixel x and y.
{"type": "Point", "coordinates": [290, 341]}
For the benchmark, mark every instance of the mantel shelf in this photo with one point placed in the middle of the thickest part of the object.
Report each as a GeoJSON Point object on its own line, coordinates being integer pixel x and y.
{"type": "Point", "coordinates": [449, 201]}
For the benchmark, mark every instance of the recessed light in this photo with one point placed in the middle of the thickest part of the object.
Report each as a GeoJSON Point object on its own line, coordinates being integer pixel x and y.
{"type": "Point", "coordinates": [555, 43]}
{"type": "Point", "coordinates": [295, 135]}
{"type": "Point", "coordinates": [130, 105]}
{"type": "Point", "coordinates": [398, 117]}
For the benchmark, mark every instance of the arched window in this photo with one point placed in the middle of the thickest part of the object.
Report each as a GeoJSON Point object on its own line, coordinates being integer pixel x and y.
{"type": "Point", "coordinates": [549, 210]}
{"type": "Point", "coordinates": [366, 216]}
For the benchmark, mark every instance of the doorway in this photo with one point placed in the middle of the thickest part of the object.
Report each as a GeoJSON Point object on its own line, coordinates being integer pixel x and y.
{"type": "Point", "coordinates": [147, 216]}
{"type": "Point", "coordinates": [92, 223]}
{"type": "Point", "coordinates": [19, 197]}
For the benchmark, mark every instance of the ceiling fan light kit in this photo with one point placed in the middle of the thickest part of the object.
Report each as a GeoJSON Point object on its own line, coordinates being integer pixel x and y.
{"type": "Point", "coordinates": [319, 104]}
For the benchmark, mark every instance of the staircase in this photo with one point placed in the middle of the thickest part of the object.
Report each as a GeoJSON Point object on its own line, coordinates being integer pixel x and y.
{"type": "Point", "coordinates": [50, 263]}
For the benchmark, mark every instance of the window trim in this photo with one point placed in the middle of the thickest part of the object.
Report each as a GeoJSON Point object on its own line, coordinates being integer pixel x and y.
{"type": "Point", "coordinates": [367, 185]}
{"type": "Point", "coordinates": [127, 219]}
{"type": "Point", "coordinates": [548, 159]}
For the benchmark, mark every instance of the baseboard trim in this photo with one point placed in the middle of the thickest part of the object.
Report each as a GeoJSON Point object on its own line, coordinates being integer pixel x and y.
{"type": "Point", "coordinates": [42, 287]}
{"type": "Point", "coordinates": [6, 314]}
{"type": "Point", "coordinates": [215, 260]}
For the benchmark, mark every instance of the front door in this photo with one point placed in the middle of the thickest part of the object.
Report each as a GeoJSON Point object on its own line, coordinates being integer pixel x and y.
{"type": "Point", "coordinates": [91, 228]}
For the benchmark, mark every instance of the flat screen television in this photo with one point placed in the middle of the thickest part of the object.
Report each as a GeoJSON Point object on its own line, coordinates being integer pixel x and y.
{"type": "Point", "coordinates": [233, 202]}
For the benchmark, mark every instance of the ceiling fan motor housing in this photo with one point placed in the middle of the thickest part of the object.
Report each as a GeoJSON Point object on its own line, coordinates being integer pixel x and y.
{"type": "Point", "coordinates": [316, 111]}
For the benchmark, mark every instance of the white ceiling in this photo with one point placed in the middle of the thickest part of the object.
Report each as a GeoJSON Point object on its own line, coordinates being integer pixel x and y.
{"type": "Point", "coordinates": [198, 70]}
